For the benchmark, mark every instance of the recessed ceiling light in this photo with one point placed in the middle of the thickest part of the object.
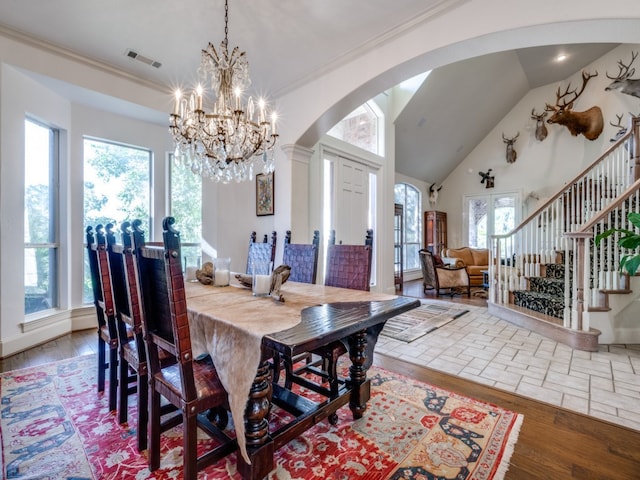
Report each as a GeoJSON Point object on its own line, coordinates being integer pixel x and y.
{"type": "Point", "coordinates": [561, 58]}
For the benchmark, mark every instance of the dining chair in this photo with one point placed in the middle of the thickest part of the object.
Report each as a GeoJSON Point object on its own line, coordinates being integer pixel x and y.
{"type": "Point", "coordinates": [348, 266]}
{"type": "Point", "coordinates": [133, 357]}
{"type": "Point", "coordinates": [441, 277]}
{"type": "Point", "coordinates": [105, 312]}
{"type": "Point", "coordinates": [264, 252]}
{"type": "Point", "coordinates": [302, 258]}
{"type": "Point", "coordinates": [190, 385]}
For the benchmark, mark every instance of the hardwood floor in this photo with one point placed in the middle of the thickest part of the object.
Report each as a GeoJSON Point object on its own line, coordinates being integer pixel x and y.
{"type": "Point", "coordinates": [554, 443]}
{"type": "Point", "coordinates": [414, 288]}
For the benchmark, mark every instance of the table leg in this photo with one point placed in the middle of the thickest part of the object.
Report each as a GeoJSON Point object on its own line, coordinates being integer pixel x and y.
{"type": "Point", "coordinates": [259, 442]}
{"type": "Point", "coordinates": [360, 386]}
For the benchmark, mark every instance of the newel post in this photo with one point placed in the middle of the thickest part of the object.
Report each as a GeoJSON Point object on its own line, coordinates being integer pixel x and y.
{"type": "Point", "coordinates": [580, 279]}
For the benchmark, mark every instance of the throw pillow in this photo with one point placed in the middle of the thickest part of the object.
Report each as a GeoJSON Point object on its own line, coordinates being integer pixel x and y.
{"type": "Point", "coordinates": [437, 260]}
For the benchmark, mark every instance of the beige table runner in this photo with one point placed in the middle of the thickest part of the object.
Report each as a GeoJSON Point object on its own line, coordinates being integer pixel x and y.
{"type": "Point", "coordinates": [229, 322]}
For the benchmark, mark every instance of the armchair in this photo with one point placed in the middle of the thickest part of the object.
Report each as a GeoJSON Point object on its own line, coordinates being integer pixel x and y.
{"type": "Point", "coordinates": [443, 277]}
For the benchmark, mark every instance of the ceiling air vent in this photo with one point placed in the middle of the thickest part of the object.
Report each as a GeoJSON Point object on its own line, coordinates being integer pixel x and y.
{"type": "Point", "coordinates": [141, 58]}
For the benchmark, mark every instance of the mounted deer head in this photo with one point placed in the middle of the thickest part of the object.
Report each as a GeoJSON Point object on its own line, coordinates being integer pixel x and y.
{"type": "Point", "coordinates": [588, 123]}
{"type": "Point", "coordinates": [621, 128]}
{"type": "Point", "coordinates": [433, 193]}
{"type": "Point", "coordinates": [511, 151]}
{"type": "Point", "coordinates": [541, 128]}
{"type": "Point", "coordinates": [622, 83]}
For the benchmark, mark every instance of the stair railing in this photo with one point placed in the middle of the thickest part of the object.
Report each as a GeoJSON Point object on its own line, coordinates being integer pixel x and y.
{"type": "Point", "coordinates": [597, 267]}
{"type": "Point", "coordinates": [541, 238]}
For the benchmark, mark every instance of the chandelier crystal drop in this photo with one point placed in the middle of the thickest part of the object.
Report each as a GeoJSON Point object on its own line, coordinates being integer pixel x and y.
{"type": "Point", "coordinates": [236, 136]}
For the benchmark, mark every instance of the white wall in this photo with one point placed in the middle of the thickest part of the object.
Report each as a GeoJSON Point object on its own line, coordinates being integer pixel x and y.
{"type": "Point", "coordinates": [541, 167]}
{"type": "Point", "coordinates": [24, 97]}
{"type": "Point", "coordinates": [21, 97]}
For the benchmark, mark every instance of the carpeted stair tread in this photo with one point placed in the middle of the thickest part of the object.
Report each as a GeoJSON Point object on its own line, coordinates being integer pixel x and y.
{"type": "Point", "coordinates": [554, 270]}
{"type": "Point", "coordinates": [546, 303]}
{"type": "Point", "coordinates": [553, 286]}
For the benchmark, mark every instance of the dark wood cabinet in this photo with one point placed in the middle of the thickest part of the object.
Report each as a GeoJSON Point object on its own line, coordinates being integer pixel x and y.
{"type": "Point", "coordinates": [435, 231]}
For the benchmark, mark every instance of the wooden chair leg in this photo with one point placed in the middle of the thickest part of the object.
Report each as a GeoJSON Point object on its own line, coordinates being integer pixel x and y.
{"type": "Point", "coordinates": [190, 433]}
{"type": "Point", "coordinates": [123, 391]}
{"type": "Point", "coordinates": [143, 412]}
{"type": "Point", "coordinates": [154, 428]}
{"type": "Point", "coordinates": [113, 378]}
{"type": "Point", "coordinates": [102, 360]}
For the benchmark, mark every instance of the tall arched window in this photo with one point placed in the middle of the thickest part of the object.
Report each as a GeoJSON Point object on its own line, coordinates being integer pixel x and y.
{"type": "Point", "coordinates": [409, 197]}
{"type": "Point", "coordinates": [364, 128]}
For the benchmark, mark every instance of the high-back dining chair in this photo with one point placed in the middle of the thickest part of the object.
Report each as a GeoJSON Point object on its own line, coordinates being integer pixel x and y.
{"type": "Point", "coordinates": [133, 356]}
{"type": "Point", "coordinates": [191, 386]}
{"type": "Point", "coordinates": [105, 311]}
{"type": "Point", "coordinates": [261, 252]}
{"type": "Point", "coordinates": [349, 266]}
{"type": "Point", "coordinates": [302, 258]}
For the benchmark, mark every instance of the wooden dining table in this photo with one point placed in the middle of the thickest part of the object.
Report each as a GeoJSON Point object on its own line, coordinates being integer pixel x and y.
{"type": "Point", "coordinates": [244, 333]}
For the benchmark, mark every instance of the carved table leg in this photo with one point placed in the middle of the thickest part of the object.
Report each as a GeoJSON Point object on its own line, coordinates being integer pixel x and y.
{"type": "Point", "coordinates": [360, 386]}
{"type": "Point", "coordinates": [256, 421]}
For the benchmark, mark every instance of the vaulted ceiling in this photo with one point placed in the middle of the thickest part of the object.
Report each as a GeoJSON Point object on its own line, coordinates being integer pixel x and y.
{"type": "Point", "coordinates": [290, 42]}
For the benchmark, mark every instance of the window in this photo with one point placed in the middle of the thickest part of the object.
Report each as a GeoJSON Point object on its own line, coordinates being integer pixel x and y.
{"type": "Point", "coordinates": [364, 128]}
{"type": "Point", "coordinates": [40, 206]}
{"type": "Point", "coordinates": [186, 208]}
{"type": "Point", "coordinates": [409, 197]}
{"type": "Point", "coordinates": [117, 182]}
{"type": "Point", "coordinates": [490, 215]}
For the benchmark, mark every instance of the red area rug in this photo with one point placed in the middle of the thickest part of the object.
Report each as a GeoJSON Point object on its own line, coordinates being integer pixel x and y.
{"type": "Point", "coordinates": [55, 425]}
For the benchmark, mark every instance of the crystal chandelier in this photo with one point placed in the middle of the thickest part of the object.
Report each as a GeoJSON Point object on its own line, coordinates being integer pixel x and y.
{"type": "Point", "coordinates": [233, 138]}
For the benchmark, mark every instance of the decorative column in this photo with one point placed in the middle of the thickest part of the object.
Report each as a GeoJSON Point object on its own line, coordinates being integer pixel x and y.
{"type": "Point", "coordinates": [293, 188]}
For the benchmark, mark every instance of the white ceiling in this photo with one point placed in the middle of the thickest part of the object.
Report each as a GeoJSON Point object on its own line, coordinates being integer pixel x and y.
{"type": "Point", "coordinates": [291, 41]}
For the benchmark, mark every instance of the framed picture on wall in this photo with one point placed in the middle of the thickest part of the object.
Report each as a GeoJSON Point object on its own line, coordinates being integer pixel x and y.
{"type": "Point", "coordinates": [264, 194]}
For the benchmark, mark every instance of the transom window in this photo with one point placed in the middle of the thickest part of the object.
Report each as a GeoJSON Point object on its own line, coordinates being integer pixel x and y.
{"type": "Point", "coordinates": [363, 128]}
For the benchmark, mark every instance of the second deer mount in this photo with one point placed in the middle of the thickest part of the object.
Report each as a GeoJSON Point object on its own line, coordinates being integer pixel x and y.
{"type": "Point", "coordinates": [588, 123]}
{"type": "Point", "coordinates": [541, 128]}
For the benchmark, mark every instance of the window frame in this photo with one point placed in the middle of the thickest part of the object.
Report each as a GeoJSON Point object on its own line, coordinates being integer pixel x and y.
{"type": "Point", "coordinates": [53, 228]}
{"type": "Point", "coordinates": [491, 199]}
{"type": "Point", "coordinates": [405, 212]}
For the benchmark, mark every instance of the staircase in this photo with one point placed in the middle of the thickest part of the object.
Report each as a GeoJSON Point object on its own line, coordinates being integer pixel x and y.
{"type": "Point", "coordinates": [545, 294]}
{"type": "Point", "coordinates": [527, 266]}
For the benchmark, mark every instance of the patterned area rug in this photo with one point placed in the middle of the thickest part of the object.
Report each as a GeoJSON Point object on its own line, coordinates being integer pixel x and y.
{"type": "Point", "coordinates": [55, 425]}
{"type": "Point", "coordinates": [415, 323]}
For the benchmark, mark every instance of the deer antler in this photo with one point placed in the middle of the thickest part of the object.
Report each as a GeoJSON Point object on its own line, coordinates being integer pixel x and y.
{"type": "Point", "coordinates": [619, 124]}
{"type": "Point", "coordinates": [623, 70]}
{"type": "Point", "coordinates": [586, 76]}
{"type": "Point", "coordinates": [510, 140]}
{"type": "Point", "coordinates": [537, 116]}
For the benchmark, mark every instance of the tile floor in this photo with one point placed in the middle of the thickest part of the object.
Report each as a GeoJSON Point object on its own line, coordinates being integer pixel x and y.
{"type": "Point", "coordinates": [481, 347]}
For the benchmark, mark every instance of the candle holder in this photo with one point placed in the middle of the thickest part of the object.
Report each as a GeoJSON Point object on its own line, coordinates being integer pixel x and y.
{"type": "Point", "coordinates": [261, 278]}
{"type": "Point", "coordinates": [191, 266]}
{"type": "Point", "coordinates": [221, 271]}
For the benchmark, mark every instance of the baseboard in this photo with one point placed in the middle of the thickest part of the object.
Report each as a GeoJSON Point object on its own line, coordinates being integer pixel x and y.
{"type": "Point", "coordinates": [578, 339]}
{"type": "Point", "coordinates": [45, 330]}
